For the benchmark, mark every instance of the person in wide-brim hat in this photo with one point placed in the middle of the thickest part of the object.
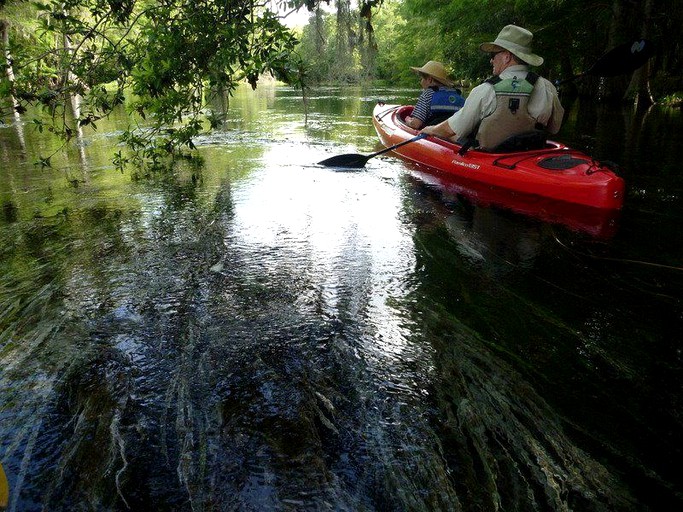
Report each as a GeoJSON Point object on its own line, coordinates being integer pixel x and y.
{"type": "Point", "coordinates": [514, 102]}
{"type": "Point", "coordinates": [517, 41]}
{"type": "Point", "coordinates": [436, 97]}
{"type": "Point", "coordinates": [436, 70]}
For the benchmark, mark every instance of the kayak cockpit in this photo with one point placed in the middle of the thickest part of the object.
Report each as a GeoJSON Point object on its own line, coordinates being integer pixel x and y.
{"type": "Point", "coordinates": [529, 141]}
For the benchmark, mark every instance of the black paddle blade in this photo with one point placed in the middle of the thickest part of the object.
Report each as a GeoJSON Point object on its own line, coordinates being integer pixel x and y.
{"type": "Point", "coordinates": [348, 161]}
{"type": "Point", "coordinates": [622, 59]}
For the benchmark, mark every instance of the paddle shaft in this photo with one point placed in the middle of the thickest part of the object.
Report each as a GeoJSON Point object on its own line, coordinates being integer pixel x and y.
{"type": "Point", "coordinates": [385, 150]}
{"type": "Point", "coordinates": [619, 60]}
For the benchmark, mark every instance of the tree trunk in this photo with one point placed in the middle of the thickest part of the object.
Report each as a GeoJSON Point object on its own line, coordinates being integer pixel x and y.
{"type": "Point", "coordinates": [9, 70]}
{"type": "Point", "coordinates": [624, 14]}
{"type": "Point", "coordinates": [8, 61]}
{"type": "Point", "coordinates": [69, 78]}
{"type": "Point", "coordinates": [569, 88]}
{"type": "Point", "coordinates": [639, 89]}
{"type": "Point", "coordinates": [319, 33]}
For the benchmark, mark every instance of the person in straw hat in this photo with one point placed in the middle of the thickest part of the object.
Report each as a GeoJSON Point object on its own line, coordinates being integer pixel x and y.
{"type": "Point", "coordinates": [438, 100]}
{"type": "Point", "coordinates": [513, 102]}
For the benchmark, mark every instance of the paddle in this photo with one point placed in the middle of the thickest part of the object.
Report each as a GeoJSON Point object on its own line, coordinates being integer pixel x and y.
{"type": "Point", "coordinates": [356, 161]}
{"type": "Point", "coordinates": [620, 60]}
{"type": "Point", "coordinates": [4, 489]}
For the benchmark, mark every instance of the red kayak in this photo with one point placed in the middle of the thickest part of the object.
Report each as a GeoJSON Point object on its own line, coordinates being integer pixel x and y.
{"type": "Point", "coordinates": [555, 172]}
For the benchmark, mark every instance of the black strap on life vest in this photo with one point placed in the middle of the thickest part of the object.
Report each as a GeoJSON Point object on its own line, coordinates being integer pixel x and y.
{"type": "Point", "coordinates": [531, 77]}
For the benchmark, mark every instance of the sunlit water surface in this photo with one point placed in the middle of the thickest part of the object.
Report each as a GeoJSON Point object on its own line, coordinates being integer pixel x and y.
{"type": "Point", "coordinates": [268, 334]}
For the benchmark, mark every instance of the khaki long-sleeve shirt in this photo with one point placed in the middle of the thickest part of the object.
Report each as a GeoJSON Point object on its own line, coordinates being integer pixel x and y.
{"type": "Point", "coordinates": [544, 104]}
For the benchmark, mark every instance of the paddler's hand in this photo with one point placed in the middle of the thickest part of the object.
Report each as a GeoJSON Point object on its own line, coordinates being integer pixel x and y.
{"type": "Point", "coordinates": [413, 122]}
{"type": "Point", "coordinates": [442, 130]}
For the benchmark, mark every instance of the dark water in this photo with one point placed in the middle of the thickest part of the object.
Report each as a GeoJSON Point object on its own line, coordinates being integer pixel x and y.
{"type": "Point", "coordinates": [265, 334]}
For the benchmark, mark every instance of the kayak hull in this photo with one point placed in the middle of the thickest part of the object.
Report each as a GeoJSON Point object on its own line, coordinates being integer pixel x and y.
{"type": "Point", "coordinates": [555, 172]}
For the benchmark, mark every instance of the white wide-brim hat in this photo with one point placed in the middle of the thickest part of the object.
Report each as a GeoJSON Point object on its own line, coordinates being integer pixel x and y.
{"type": "Point", "coordinates": [516, 40]}
{"type": "Point", "coordinates": [436, 70]}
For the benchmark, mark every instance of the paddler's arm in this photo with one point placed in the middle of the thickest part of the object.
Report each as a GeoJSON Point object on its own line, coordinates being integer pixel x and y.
{"type": "Point", "coordinates": [442, 130]}
{"type": "Point", "coordinates": [479, 104]}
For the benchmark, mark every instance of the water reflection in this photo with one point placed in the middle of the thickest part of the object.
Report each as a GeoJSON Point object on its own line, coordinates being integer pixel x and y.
{"type": "Point", "coordinates": [265, 334]}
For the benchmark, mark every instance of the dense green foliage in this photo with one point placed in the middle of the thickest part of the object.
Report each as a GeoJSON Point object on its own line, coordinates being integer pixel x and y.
{"type": "Point", "coordinates": [569, 34]}
{"type": "Point", "coordinates": [168, 59]}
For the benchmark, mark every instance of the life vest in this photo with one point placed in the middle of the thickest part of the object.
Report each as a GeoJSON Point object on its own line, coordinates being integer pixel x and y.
{"type": "Point", "coordinates": [446, 100]}
{"type": "Point", "coordinates": [511, 116]}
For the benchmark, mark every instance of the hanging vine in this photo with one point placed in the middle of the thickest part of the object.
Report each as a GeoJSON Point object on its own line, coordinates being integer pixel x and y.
{"type": "Point", "coordinates": [367, 42]}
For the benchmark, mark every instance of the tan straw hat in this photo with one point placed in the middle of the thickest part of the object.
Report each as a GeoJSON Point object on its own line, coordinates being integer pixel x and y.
{"type": "Point", "coordinates": [516, 40]}
{"type": "Point", "coordinates": [436, 70]}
